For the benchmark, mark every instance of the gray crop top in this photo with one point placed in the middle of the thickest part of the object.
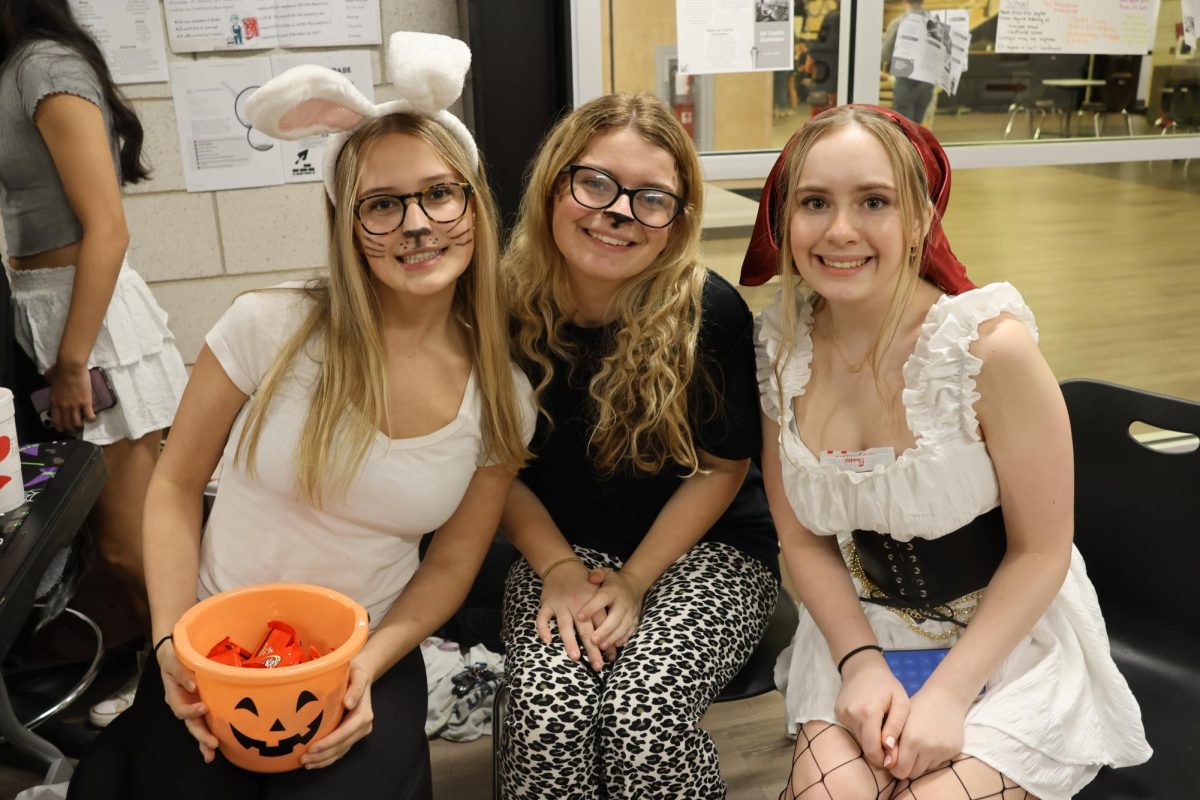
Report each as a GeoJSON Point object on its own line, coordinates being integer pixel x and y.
{"type": "Point", "coordinates": [37, 216]}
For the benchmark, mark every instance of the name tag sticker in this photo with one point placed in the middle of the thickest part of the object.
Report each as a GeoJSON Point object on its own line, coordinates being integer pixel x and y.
{"type": "Point", "coordinates": [860, 460]}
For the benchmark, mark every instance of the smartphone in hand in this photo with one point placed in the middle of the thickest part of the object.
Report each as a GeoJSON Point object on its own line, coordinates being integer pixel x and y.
{"type": "Point", "coordinates": [104, 396]}
{"type": "Point", "coordinates": [913, 667]}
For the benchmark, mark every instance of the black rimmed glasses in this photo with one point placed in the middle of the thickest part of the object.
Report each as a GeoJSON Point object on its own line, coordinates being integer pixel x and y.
{"type": "Point", "coordinates": [595, 188]}
{"type": "Point", "coordinates": [381, 214]}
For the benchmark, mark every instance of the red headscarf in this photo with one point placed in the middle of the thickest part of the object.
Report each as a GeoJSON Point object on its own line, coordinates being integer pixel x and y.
{"type": "Point", "coordinates": [939, 263]}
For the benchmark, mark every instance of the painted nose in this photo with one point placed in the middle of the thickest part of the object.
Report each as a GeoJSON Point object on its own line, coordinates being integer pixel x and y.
{"type": "Point", "coordinates": [620, 211]}
{"type": "Point", "coordinates": [416, 223]}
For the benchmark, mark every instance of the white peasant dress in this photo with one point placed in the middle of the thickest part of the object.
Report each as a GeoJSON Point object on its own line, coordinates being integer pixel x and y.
{"type": "Point", "coordinates": [1056, 709]}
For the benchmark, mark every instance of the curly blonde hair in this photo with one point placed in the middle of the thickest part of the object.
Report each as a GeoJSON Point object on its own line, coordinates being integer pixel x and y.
{"type": "Point", "coordinates": [640, 393]}
{"type": "Point", "coordinates": [343, 329]}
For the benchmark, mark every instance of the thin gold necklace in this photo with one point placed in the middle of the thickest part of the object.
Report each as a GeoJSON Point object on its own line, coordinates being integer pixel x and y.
{"type": "Point", "coordinates": [854, 368]}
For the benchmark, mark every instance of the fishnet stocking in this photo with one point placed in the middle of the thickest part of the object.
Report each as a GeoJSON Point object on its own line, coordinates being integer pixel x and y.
{"type": "Point", "coordinates": [829, 764]}
{"type": "Point", "coordinates": [962, 778]}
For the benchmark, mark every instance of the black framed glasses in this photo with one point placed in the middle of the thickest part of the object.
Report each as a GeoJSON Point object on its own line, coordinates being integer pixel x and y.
{"type": "Point", "coordinates": [380, 214]}
{"type": "Point", "coordinates": [595, 188]}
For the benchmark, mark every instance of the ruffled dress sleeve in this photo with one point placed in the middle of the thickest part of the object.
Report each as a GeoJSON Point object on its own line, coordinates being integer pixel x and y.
{"type": "Point", "coordinates": [770, 340]}
{"type": "Point", "coordinates": [940, 484]}
{"type": "Point", "coordinates": [939, 378]}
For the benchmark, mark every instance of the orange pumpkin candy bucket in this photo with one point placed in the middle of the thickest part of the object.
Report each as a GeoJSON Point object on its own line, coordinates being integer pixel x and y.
{"type": "Point", "coordinates": [265, 719]}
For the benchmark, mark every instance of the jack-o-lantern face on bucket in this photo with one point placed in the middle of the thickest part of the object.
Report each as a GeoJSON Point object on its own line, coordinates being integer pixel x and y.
{"type": "Point", "coordinates": [286, 730]}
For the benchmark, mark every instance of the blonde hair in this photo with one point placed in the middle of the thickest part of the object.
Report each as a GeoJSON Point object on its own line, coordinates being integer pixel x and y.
{"type": "Point", "coordinates": [912, 199]}
{"type": "Point", "coordinates": [344, 324]}
{"type": "Point", "coordinates": [640, 393]}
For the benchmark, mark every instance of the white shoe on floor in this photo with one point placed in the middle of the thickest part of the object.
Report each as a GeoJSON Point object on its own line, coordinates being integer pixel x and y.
{"type": "Point", "coordinates": [115, 704]}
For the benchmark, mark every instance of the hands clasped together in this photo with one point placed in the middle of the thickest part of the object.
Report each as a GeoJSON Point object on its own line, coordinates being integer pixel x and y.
{"type": "Point", "coordinates": [179, 686]}
{"type": "Point", "coordinates": [597, 608]}
{"type": "Point", "coordinates": [907, 736]}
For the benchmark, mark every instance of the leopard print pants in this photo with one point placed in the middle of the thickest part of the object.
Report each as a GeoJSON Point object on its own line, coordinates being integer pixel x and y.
{"type": "Point", "coordinates": [630, 732]}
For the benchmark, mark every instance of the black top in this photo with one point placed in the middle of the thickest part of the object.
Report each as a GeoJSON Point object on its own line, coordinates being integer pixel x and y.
{"type": "Point", "coordinates": [612, 512]}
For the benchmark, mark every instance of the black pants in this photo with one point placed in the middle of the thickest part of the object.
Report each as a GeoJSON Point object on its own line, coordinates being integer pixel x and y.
{"type": "Point", "coordinates": [912, 98]}
{"type": "Point", "coordinates": [148, 753]}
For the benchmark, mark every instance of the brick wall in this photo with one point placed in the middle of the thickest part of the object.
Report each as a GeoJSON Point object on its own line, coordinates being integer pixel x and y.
{"type": "Point", "coordinates": [199, 250]}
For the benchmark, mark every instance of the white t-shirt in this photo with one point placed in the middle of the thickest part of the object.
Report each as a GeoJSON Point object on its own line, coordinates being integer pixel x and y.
{"type": "Point", "coordinates": [364, 543]}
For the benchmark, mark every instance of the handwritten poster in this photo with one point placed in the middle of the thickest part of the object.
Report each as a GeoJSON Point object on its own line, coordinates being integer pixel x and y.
{"type": "Point", "coordinates": [1109, 27]}
{"type": "Point", "coordinates": [130, 35]}
{"type": "Point", "coordinates": [733, 35]}
{"type": "Point", "coordinates": [206, 25]}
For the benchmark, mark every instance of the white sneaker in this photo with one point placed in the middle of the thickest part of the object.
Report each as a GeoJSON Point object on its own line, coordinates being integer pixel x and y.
{"type": "Point", "coordinates": [115, 704]}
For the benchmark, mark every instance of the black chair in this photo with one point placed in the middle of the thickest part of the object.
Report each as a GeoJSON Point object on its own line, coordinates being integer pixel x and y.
{"type": "Point", "coordinates": [1029, 101]}
{"type": "Point", "coordinates": [1118, 96]}
{"type": "Point", "coordinates": [1182, 115]}
{"type": "Point", "coordinates": [755, 678]}
{"type": "Point", "coordinates": [1137, 524]}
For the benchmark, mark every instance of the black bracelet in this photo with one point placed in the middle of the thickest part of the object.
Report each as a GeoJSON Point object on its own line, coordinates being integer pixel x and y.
{"type": "Point", "coordinates": [162, 641]}
{"type": "Point", "coordinates": [855, 652]}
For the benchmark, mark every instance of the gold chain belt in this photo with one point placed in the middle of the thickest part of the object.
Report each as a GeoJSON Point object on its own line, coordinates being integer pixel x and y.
{"type": "Point", "coordinates": [961, 608]}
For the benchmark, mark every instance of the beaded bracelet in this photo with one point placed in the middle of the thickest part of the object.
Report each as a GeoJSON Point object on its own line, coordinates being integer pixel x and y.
{"type": "Point", "coordinates": [559, 563]}
{"type": "Point", "coordinates": [855, 652]}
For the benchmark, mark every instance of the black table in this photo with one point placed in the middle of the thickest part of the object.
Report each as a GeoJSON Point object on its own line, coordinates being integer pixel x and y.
{"type": "Point", "coordinates": [1077, 89]}
{"type": "Point", "coordinates": [62, 482]}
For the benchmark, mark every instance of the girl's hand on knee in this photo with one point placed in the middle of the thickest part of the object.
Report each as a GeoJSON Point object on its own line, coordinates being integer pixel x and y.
{"type": "Point", "coordinates": [356, 724]}
{"type": "Point", "coordinates": [621, 596]}
{"type": "Point", "coordinates": [179, 691]}
{"type": "Point", "coordinates": [870, 699]}
{"type": "Point", "coordinates": [933, 733]}
{"type": "Point", "coordinates": [565, 591]}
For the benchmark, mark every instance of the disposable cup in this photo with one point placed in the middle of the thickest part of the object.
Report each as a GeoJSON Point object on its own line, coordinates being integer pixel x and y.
{"type": "Point", "coordinates": [12, 489]}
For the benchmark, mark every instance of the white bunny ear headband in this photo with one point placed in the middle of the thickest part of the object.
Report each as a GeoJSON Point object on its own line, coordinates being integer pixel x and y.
{"type": "Point", "coordinates": [426, 68]}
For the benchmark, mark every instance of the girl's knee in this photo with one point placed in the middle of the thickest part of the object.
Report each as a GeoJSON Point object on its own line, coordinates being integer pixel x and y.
{"type": "Point", "coordinates": [963, 778]}
{"type": "Point", "coordinates": [548, 700]}
{"type": "Point", "coordinates": [638, 724]}
{"type": "Point", "coordinates": [829, 764]}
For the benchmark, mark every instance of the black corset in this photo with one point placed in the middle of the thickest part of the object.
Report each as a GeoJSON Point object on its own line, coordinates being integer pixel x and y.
{"type": "Point", "coordinates": [928, 573]}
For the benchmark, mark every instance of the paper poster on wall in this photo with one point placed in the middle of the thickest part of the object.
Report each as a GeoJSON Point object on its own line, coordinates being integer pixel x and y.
{"type": "Point", "coordinates": [302, 160]}
{"type": "Point", "coordinates": [1191, 19]}
{"type": "Point", "coordinates": [1099, 27]}
{"type": "Point", "coordinates": [733, 35]}
{"type": "Point", "coordinates": [206, 25]}
{"type": "Point", "coordinates": [932, 47]}
{"type": "Point", "coordinates": [221, 150]}
{"type": "Point", "coordinates": [130, 35]}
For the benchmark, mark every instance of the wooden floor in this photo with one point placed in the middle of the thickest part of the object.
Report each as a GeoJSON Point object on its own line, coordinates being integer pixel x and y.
{"type": "Point", "coordinates": [1106, 255]}
{"type": "Point", "coordinates": [755, 754]}
{"type": "Point", "coordinates": [987, 126]}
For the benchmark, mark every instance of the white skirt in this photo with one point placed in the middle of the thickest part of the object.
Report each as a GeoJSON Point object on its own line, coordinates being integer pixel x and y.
{"type": "Point", "coordinates": [1054, 712]}
{"type": "Point", "coordinates": [134, 346]}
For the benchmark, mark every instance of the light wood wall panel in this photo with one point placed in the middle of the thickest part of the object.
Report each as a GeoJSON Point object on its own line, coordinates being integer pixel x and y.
{"type": "Point", "coordinates": [742, 101]}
